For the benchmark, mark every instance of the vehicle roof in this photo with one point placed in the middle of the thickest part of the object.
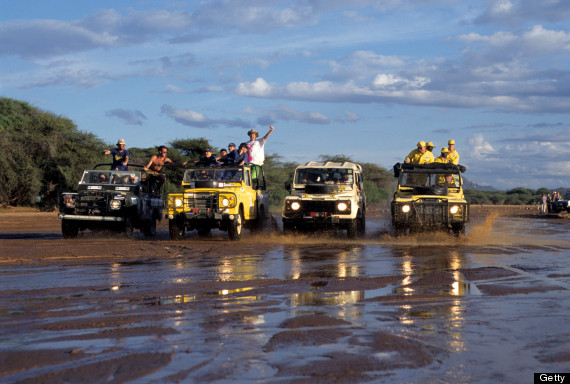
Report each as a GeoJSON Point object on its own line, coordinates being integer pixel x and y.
{"type": "Point", "coordinates": [331, 164]}
{"type": "Point", "coordinates": [430, 168]}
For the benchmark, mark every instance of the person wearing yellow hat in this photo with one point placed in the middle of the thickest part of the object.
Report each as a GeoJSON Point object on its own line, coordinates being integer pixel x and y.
{"type": "Point", "coordinates": [443, 157]}
{"type": "Point", "coordinates": [452, 156]}
{"type": "Point", "coordinates": [120, 156]}
{"type": "Point", "coordinates": [429, 146]}
{"type": "Point", "coordinates": [420, 155]}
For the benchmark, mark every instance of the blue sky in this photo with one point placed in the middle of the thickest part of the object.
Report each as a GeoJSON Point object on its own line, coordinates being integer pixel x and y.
{"type": "Point", "coordinates": [367, 80]}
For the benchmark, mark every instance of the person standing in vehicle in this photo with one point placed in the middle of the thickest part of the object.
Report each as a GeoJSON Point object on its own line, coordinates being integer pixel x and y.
{"type": "Point", "coordinates": [443, 157]}
{"type": "Point", "coordinates": [420, 155]}
{"type": "Point", "coordinates": [256, 151]}
{"type": "Point", "coordinates": [120, 156]}
{"type": "Point", "coordinates": [429, 146]}
{"type": "Point", "coordinates": [155, 165]}
{"type": "Point", "coordinates": [453, 156]}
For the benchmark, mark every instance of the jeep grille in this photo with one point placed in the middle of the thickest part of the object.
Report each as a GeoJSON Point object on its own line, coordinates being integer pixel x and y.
{"type": "Point", "coordinates": [91, 203]}
{"type": "Point", "coordinates": [318, 206]}
{"type": "Point", "coordinates": [202, 200]}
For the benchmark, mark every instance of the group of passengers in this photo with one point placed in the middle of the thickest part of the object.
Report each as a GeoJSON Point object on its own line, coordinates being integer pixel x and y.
{"type": "Point", "coordinates": [251, 152]}
{"type": "Point", "coordinates": [423, 154]}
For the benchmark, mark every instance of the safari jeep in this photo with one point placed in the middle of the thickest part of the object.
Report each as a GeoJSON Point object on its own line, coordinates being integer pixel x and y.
{"type": "Point", "coordinates": [326, 195]}
{"type": "Point", "coordinates": [429, 196]}
{"type": "Point", "coordinates": [115, 200]}
{"type": "Point", "coordinates": [226, 198]}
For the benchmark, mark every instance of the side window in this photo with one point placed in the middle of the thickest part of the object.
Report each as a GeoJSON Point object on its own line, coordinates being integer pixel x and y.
{"type": "Point", "coordinates": [247, 178]}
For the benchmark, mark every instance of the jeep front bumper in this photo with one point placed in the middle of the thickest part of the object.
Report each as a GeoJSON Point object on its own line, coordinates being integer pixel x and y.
{"type": "Point", "coordinates": [410, 214]}
{"type": "Point", "coordinates": [90, 218]}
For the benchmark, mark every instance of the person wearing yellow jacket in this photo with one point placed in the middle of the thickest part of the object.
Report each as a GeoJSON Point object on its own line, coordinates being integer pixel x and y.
{"type": "Point", "coordinates": [443, 157]}
{"type": "Point", "coordinates": [420, 155]}
{"type": "Point", "coordinates": [453, 156]}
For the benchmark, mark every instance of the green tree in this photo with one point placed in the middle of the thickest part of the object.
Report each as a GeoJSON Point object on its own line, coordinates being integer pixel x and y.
{"type": "Point", "coordinates": [43, 153]}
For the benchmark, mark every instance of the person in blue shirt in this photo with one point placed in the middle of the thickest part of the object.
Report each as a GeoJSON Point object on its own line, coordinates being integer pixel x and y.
{"type": "Point", "coordinates": [120, 156]}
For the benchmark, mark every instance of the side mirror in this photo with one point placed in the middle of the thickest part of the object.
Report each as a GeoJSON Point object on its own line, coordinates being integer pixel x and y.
{"type": "Point", "coordinates": [288, 185]}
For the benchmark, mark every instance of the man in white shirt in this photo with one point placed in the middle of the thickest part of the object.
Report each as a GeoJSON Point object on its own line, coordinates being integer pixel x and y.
{"type": "Point", "coordinates": [256, 152]}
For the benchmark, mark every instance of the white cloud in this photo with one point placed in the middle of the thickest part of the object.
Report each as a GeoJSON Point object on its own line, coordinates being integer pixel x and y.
{"type": "Point", "coordinates": [257, 88]}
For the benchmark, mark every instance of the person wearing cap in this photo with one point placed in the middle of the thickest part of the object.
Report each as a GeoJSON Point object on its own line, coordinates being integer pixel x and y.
{"type": "Point", "coordinates": [443, 157]}
{"type": "Point", "coordinates": [120, 156]}
{"type": "Point", "coordinates": [232, 154]}
{"type": "Point", "coordinates": [155, 165]}
{"type": "Point", "coordinates": [420, 155]}
{"type": "Point", "coordinates": [208, 159]}
{"type": "Point", "coordinates": [453, 156]}
{"type": "Point", "coordinates": [256, 151]}
{"type": "Point", "coordinates": [429, 146]}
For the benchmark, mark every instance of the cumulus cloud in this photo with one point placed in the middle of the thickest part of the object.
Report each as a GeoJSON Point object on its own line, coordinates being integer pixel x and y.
{"type": "Point", "coordinates": [517, 12]}
{"type": "Point", "coordinates": [531, 159]}
{"type": "Point", "coordinates": [129, 116]}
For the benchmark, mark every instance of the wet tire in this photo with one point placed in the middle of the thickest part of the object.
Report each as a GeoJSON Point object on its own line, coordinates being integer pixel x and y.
{"type": "Point", "coordinates": [127, 227]}
{"type": "Point", "coordinates": [458, 229]}
{"type": "Point", "coordinates": [149, 229]}
{"type": "Point", "coordinates": [399, 231]}
{"type": "Point", "coordinates": [352, 229]}
{"type": "Point", "coordinates": [236, 227]}
{"type": "Point", "coordinates": [361, 230]}
{"type": "Point", "coordinates": [176, 230]}
{"type": "Point", "coordinates": [288, 229]}
{"type": "Point", "coordinates": [261, 220]}
{"type": "Point", "coordinates": [69, 229]}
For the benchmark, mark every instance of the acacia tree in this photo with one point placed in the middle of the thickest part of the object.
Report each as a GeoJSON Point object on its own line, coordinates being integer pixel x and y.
{"type": "Point", "coordinates": [43, 154]}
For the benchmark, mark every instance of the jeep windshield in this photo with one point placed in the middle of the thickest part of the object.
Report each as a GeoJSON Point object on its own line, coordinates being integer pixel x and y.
{"type": "Point", "coordinates": [324, 176]}
{"type": "Point", "coordinates": [226, 174]}
{"type": "Point", "coordinates": [111, 177]}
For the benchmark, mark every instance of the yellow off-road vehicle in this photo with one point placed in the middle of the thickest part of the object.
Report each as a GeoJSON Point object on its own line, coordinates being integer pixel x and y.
{"type": "Point", "coordinates": [429, 196]}
{"type": "Point", "coordinates": [226, 198]}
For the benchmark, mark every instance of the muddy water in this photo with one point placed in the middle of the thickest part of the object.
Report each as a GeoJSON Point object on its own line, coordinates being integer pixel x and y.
{"type": "Point", "coordinates": [492, 306]}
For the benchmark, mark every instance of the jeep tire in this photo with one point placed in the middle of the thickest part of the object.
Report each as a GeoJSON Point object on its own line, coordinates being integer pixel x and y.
{"type": "Point", "coordinates": [176, 230]}
{"type": "Point", "coordinates": [236, 226]}
{"type": "Point", "coordinates": [69, 229]}
{"type": "Point", "coordinates": [149, 228]}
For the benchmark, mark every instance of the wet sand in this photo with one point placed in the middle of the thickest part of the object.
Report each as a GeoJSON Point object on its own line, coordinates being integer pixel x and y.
{"type": "Point", "coordinates": [210, 310]}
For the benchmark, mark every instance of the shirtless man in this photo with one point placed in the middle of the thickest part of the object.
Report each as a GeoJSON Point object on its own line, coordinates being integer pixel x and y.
{"type": "Point", "coordinates": [155, 165]}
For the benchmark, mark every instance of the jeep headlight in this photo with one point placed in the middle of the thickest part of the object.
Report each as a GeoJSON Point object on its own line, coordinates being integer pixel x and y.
{"type": "Point", "coordinates": [69, 200]}
{"type": "Point", "coordinates": [342, 206]}
{"type": "Point", "coordinates": [227, 201]}
{"type": "Point", "coordinates": [178, 202]}
{"type": "Point", "coordinates": [295, 206]}
{"type": "Point", "coordinates": [115, 204]}
{"type": "Point", "coordinates": [454, 209]}
{"type": "Point", "coordinates": [406, 208]}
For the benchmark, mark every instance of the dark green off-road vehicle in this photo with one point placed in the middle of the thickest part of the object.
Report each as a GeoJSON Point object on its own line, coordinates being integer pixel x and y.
{"type": "Point", "coordinates": [111, 200]}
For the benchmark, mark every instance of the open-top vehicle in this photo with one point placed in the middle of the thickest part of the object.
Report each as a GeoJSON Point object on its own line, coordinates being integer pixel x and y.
{"type": "Point", "coordinates": [226, 198]}
{"type": "Point", "coordinates": [429, 196]}
{"type": "Point", "coordinates": [561, 205]}
{"type": "Point", "coordinates": [113, 200]}
{"type": "Point", "coordinates": [326, 195]}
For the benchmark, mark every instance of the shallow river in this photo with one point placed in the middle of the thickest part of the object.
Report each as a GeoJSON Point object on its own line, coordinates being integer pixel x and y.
{"type": "Point", "coordinates": [492, 306]}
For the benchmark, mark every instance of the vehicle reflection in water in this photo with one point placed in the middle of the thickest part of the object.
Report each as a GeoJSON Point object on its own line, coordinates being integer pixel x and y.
{"type": "Point", "coordinates": [438, 315]}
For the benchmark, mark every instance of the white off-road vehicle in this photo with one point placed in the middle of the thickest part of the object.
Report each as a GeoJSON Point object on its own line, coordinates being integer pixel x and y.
{"type": "Point", "coordinates": [326, 195]}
